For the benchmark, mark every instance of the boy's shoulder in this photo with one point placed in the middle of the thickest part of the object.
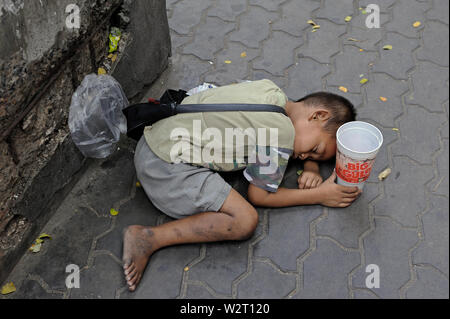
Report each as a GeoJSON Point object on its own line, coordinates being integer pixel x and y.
{"type": "Point", "coordinates": [255, 92]}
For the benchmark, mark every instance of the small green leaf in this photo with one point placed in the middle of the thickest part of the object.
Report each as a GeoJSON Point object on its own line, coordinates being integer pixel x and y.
{"type": "Point", "coordinates": [300, 172]}
{"type": "Point", "coordinates": [114, 212]}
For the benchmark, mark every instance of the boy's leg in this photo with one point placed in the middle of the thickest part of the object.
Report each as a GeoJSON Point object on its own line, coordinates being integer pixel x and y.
{"type": "Point", "coordinates": [236, 220]}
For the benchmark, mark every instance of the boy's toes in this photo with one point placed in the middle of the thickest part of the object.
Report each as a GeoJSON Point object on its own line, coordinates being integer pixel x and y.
{"type": "Point", "coordinates": [131, 275]}
{"type": "Point", "coordinates": [134, 282]}
{"type": "Point", "coordinates": [128, 269]}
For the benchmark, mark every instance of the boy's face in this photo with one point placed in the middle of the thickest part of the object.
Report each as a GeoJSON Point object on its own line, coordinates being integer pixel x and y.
{"type": "Point", "coordinates": [312, 142]}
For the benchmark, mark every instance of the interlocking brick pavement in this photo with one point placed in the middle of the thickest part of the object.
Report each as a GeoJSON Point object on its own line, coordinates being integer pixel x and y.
{"type": "Point", "coordinates": [400, 224]}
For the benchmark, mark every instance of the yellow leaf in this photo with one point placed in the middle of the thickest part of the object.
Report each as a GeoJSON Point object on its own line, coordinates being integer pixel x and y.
{"type": "Point", "coordinates": [39, 241]}
{"type": "Point", "coordinates": [315, 30]}
{"type": "Point", "coordinates": [363, 81]}
{"type": "Point", "coordinates": [114, 58]}
{"type": "Point", "coordinates": [243, 54]}
{"type": "Point", "coordinates": [186, 269]}
{"type": "Point", "coordinates": [364, 11]}
{"type": "Point", "coordinates": [311, 22]}
{"type": "Point", "coordinates": [343, 89]}
{"type": "Point", "coordinates": [384, 174]}
{"type": "Point", "coordinates": [382, 98]}
{"type": "Point", "coordinates": [387, 47]}
{"type": "Point", "coordinates": [316, 27]}
{"type": "Point", "coordinates": [417, 24]}
{"type": "Point", "coordinates": [228, 62]}
{"type": "Point", "coordinates": [348, 18]}
{"type": "Point", "coordinates": [138, 184]}
{"type": "Point", "coordinates": [395, 129]}
{"type": "Point", "coordinates": [110, 56]}
{"type": "Point", "coordinates": [101, 71]}
{"type": "Point", "coordinates": [361, 50]}
{"type": "Point", "coordinates": [45, 236]}
{"type": "Point", "coordinates": [353, 39]}
{"type": "Point", "coordinates": [114, 212]}
{"type": "Point", "coordinates": [8, 288]}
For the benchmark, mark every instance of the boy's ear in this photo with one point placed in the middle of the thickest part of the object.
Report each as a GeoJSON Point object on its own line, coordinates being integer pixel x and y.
{"type": "Point", "coordinates": [320, 115]}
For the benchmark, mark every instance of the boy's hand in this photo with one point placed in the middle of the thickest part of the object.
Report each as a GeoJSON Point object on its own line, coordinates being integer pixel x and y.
{"type": "Point", "coordinates": [309, 180]}
{"type": "Point", "coordinates": [334, 195]}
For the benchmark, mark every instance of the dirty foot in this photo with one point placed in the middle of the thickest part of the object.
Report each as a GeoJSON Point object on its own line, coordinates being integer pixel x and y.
{"type": "Point", "coordinates": [138, 246]}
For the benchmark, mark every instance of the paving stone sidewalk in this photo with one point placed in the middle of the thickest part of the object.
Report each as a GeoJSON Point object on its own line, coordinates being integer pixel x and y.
{"type": "Point", "coordinates": [401, 224]}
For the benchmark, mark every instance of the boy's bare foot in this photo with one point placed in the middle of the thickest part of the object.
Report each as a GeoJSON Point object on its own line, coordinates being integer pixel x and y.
{"type": "Point", "coordinates": [138, 246]}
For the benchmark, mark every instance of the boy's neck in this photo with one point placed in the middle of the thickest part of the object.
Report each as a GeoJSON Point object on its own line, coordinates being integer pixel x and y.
{"type": "Point", "coordinates": [292, 108]}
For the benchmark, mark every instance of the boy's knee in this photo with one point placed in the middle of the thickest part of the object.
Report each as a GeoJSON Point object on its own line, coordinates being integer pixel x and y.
{"type": "Point", "coordinates": [246, 224]}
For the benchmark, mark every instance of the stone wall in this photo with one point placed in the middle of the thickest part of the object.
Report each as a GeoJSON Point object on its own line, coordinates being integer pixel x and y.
{"type": "Point", "coordinates": [42, 62]}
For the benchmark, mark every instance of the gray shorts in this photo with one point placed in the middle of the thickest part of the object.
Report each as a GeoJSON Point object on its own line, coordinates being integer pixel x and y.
{"type": "Point", "coordinates": [179, 190]}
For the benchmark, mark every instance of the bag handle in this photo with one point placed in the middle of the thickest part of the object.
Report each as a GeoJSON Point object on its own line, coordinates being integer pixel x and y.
{"type": "Point", "coordinates": [203, 108]}
{"type": "Point", "coordinates": [140, 116]}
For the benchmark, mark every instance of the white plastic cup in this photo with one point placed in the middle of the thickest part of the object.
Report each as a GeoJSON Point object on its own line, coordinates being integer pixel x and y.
{"type": "Point", "coordinates": [358, 144]}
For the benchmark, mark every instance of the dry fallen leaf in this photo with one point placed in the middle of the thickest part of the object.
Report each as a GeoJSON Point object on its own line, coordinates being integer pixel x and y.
{"type": "Point", "coordinates": [101, 71]}
{"type": "Point", "coordinates": [316, 27]}
{"type": "Point", "coordinates": [353, 39]}
{"type": "Point", "coordinates": [387, 47]}
{"type": "Point", "coordinates": [311, 22]}
{"type": "Point", "coordinates": [113, 212]}
{"type": "Point", "coordinates": [114, 58]}
{"type": "Point", "coordinates": [361, 50]}
{"type": "Point", "coordinates": [8, 289]}
{"type": "Point", "coordinates": [383, 175]}
{"type": "Point", "coordinates": [382, 98]}
{"type": "Point", "coordinates": [186, 269]}
{"type": "Point", "coordinates": [417, 24]}
{"type": "Point", "coordinates": [35, 248]}
{"type": "Point", "coordinates": [138, 184]}
{"type": "Point", "coordinates": [343, 89]}
{"type": "Point", "coordinates": [243, 54]}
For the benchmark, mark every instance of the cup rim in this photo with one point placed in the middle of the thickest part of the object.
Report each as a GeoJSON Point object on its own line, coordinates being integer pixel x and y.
{"type": "Point", "coordinates": [381, 141]}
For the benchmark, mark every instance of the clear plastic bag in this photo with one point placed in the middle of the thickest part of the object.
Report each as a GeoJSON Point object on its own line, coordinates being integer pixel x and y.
{"type": "Point", "coordinates": [96, 119]}
{"type": "Point", "coordinates": [201, 88]}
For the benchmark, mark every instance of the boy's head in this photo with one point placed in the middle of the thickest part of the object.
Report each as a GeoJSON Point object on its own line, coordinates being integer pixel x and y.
{"type": "Point", "coordinates": [316, 119]}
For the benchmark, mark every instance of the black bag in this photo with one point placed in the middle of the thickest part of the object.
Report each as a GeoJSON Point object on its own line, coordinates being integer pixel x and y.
{"type": "Point", "coordinates": [139, 116]}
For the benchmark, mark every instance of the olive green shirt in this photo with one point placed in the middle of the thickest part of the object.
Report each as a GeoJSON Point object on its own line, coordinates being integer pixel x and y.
{"type": "Point", "coordinates": [260, 142]}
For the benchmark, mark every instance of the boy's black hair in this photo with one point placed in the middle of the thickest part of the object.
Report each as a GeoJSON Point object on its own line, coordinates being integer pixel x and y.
{"type": "Point", "coordinates": [342, 110]}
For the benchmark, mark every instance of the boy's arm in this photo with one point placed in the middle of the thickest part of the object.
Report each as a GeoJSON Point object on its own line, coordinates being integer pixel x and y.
{"type": "Point", "coordinates": [327, 194]}
{"type": "Point", "coordinates": [284, 197]}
